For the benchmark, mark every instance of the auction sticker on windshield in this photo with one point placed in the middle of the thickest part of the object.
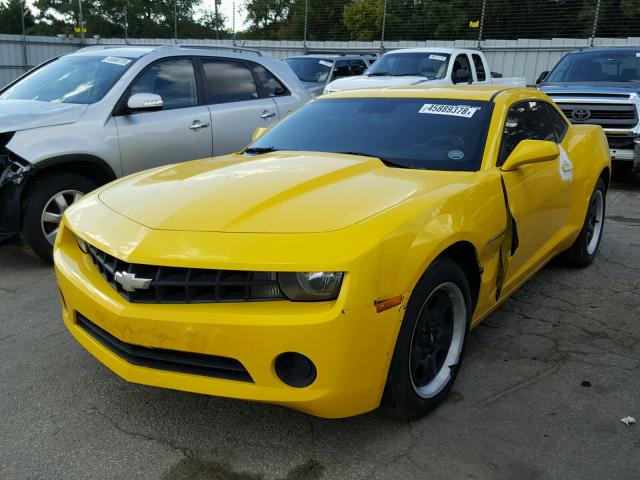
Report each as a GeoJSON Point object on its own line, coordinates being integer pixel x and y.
{"type": "Point", "coordinates": [117, 61]}
{"type": "Point", "coordinates": [451, 110]}
{"type": "Point", "coordinates": [437, 57]}
{"type": "Point", "coordinates": [325, 63]}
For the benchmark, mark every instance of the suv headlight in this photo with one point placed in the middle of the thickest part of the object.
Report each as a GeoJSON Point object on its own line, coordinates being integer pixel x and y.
{"type": "Point", "coordinates": [310, 286]}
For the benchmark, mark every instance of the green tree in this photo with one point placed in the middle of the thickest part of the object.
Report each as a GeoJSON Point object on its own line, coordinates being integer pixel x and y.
{"type": "Point", "coordinates": [363, 19]}
{"type": "Point", "coordinates": [11, 13]}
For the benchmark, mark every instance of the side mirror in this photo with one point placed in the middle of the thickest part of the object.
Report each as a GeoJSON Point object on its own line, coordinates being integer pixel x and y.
{"type": "Point", "coordinates": [542, 77]}
{"type": "Point", "coordinates": [462, 75]}
{"type": "Point", "coordinates": [145, 101]}
{"type": "Point", "coordinates": [531, 151]}
{"type": "Point", "coordinates": [258, 132]}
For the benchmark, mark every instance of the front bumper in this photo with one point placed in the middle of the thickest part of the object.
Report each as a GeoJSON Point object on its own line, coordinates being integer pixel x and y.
{"type": "Point", "coordinates": [630, 153]}
{"type": "Point", "coordinates": [350, 344]}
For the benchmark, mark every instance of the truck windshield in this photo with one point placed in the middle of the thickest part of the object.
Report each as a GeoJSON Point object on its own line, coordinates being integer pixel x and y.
{"type": "Point", "coordinates": [597, 66]}
{"type": "Point", "coordinates": [72, 79]}
{"type": "Point", "coordinates": [418, 133]}
{"type": "Point", "coordinates": [314, 70]}
{"type": "Point", "coordinates": [427, 64]}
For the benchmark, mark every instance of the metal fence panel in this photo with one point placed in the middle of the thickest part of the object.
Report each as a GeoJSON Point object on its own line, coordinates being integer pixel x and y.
{"type": "Point", "coordinates": [522, 58]}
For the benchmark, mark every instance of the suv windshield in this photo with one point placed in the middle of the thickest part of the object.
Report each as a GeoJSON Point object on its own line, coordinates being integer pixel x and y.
{"type": "Point", "coordinates": [72, 79]}
{"type": "Point", "coordinates": [314, 70]}
{"type": "Point", "coordinates": [429, 64]}
{"type": "Point", "coordinates": [598, 66]}
{"type": "Point", "coordinates": [420, 133]}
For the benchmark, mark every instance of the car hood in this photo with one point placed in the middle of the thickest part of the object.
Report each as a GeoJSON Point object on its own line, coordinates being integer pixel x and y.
{"type": "Point", "coordinates": [611, 88]}
{"type": "Point", "coordinates": [18, 115]}
{"type": "Point", "coordinates": [356, 83]}
{"type": "Point", "coordinates": [280, 192]}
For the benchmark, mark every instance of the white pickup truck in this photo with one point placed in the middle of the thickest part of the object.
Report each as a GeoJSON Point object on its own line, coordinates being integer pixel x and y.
{"type": "Point", "coordinates": [431, 66]}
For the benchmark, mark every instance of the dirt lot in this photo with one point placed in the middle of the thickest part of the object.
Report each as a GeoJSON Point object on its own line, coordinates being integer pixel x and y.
{"type": "Point", "coordinates": [546, 380]}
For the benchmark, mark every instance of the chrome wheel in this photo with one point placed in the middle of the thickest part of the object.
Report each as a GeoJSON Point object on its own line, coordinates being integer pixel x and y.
{"type": "Point", "coordinates": [53, 210]}
{"type": "Point", "coordinates": [437, 340]}
{"type": "Point", "coordinates": [595, 217]}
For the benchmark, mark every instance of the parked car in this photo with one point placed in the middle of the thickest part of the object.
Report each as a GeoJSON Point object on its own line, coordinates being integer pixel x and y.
{"type": "Point", "coordinates": [82, 120]}
{"type": "Point", "coordinates": [319, 271]}
{"type": "Point", "coordinates": [433, 66]}
{"type": "Point", "coordinates": [317, 70]}
{"type": "Point", "coordinates": [601, 86]}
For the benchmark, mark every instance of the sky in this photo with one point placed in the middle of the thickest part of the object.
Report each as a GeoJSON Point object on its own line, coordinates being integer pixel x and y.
{"type": "Point", "coordinates": [226, 9]}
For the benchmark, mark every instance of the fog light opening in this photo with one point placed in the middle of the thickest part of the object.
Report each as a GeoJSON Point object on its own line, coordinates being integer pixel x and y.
{"type": "Point", "coordinates": [295, 369]}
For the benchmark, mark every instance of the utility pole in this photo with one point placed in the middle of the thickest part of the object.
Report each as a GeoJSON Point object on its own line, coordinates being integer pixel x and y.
{"type": "Point", "coordinates": [81, 22]}
{"type": "Point", "coordinates": [484, 6]}
{"type": "Point", "coordinates": [233, 28]}
{"type": "Point", "coordinates": [126, 22]}
{"type": "Point", "coordinates": [175, 21]}
{"type": "Point", "coordinates": [595, 24]}
{"type": "Point", "coordinates": [384, 21]}
{"type": "Point", "coordinates": [25, 58]}
{"type": "Point", "coordinates": [215, 13]}
{"type": "Point", "coordinates": [306, 15]}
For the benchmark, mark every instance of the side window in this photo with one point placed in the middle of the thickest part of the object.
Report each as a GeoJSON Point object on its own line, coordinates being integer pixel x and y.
{"type": "Point", "coordinates": [461, 63]}
{"type": "Point", "coordinates": [271, 84]}
{"type": "Point", "coordinates": [229, 81]}
{"type": "Point", "coordinates": [559, 124]}
{"type": "Point", "coordinates": [477, 62]}
{"type": "Point", "coordinates": [357, 67]}
{"type": "Point", "coordinates": [341, 69]}
{"type": "Point", "coordinates": [525, 121]}
{"type": "Point", "coordinates": [173, 80]}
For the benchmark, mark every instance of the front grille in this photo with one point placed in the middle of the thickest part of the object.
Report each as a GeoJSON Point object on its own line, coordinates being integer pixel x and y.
{"type": "Point", "coordinates": [171, 360]}
{"type": "Point", "coordinates": [186, 285]}
{"type": "Point", "coordinates": [608, 115]}
{"type": "Point", "coordinates": [619, 142]}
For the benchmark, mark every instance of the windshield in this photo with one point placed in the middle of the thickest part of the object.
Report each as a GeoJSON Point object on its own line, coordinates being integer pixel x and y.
{"type": "Point", "coordinates": [597, 66]}
{"type": "Point", "coordinates": [310, 69]}
{"type": "Point", "coordinates": [420, 133]}
{"type": "Point", "coordinates": [431, 65]}
{"type": "Point", "coordinates": [73, 79]}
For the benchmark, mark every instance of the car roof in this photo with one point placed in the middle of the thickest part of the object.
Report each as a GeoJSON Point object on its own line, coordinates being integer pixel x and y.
{"type": "Point", "coordinates": [332, 56]}
{"type": "Point", "coordinates": [606, 50]}
{"type": "Point", "coordinates": [448, 50]}
{"type": "Point", "coordinates": [113, 51]}
{"type": "Point", "coordinates": [465, 92]}
{"type": "Point", "coordinates": [168, 49]}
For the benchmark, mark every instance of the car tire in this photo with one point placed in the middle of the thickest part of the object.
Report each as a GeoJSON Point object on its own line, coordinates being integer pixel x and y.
{"type": "Point", "coordinates": [423, 368]}
{"type": "Point", "coordinates": [585, 247]}
{"type": "Point", "coordinates": [50, 194]}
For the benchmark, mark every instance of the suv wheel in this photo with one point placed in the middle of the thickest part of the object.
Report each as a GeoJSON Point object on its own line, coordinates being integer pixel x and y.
{"type": "Point", "coordinates": [44, 203]}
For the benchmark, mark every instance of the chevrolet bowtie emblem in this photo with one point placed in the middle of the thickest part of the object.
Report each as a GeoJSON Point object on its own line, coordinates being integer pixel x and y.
{"type": "Point", "coordinates": [130, 282]}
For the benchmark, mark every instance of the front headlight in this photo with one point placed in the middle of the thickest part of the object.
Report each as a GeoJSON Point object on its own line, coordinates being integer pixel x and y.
{"type": "Point", "coordinates": [310, 286]}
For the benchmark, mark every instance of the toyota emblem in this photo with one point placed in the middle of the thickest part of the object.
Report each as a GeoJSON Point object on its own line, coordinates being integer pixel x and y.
{"type": "Point", "coordinates": [580, 114]}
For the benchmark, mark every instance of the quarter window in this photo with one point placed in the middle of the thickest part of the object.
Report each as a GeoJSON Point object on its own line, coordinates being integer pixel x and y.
{"type": "Point", "coordinates": [559, 124]}
{"type": "Point", "coordinates": [173, 80]}
{"type": "Point", "coordinates": [341, 69]}
{"type": "Point", "coordinates": [477, 62]}
{"type": "Point", "coordinates": [525, 121]}
{"type": "Point", "coordinates": [271, 84]}
{"type": "Point", "coordinates": [229, 81]}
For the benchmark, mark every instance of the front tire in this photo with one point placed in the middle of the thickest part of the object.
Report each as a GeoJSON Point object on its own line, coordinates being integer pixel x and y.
{"type": "Point", "coordinates": [44, 204]}
{"type": "Point", "coordinates": [430, 345]}
{"type": "Point", "coordinates": [585, 247]}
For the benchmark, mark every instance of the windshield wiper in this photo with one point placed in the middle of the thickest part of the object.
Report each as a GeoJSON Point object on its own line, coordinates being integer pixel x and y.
{"type": "Point", "coordinates": [387, 162]}
{"type": "Point", "coordinates": [378, 74]}
{"type": "Point", "coordinates": [260, 150]}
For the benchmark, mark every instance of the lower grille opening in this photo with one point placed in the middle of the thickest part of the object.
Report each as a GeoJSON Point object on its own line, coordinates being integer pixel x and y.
{"type": "Point", "coordinates": [171, 360]}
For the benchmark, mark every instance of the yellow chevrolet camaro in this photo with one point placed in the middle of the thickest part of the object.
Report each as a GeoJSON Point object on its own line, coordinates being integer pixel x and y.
{"type": "Point", "coordinates": [341, 258]}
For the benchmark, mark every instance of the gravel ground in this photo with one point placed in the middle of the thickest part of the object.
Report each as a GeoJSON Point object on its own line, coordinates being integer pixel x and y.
{"type": "Point", "coordinates": [546, 380]}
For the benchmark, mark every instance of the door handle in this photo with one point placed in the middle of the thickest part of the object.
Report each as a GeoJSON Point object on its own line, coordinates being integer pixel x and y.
{"type": "Point", "coordinates": [197, 125]}
{"type": "Point", "coordinates": [267, 114]}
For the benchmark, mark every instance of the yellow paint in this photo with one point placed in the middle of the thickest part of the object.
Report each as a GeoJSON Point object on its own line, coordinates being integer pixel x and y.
{"type": "Point", "coordinates": [299, 211]}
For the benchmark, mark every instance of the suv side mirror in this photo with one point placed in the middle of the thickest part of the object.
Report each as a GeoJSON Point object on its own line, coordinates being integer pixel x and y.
{"type": "Point", "coordinates": [145, 101]}
{"type": "Point", "coordinates": [462, 75]}
{"type": "Point", "coordinates": [542, 77]}
{"type": "Point", "coordinates": [530, 151]}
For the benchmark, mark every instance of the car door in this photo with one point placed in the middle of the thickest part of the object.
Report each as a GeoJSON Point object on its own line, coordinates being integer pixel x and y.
{"type": "Point", "coordinates": [180, 131]}
{"type": "Point", "coordinates": [237, 102]}
{"type": "Point", "coordinates": [538, 195]}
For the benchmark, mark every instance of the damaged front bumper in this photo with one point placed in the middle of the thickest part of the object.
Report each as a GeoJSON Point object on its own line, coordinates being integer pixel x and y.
{"type": "Point", "coordinates": [13, 174]}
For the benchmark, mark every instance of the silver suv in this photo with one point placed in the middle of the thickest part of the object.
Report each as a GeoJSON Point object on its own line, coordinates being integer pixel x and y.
{"type": "Point", "coordinates": [84, 119]}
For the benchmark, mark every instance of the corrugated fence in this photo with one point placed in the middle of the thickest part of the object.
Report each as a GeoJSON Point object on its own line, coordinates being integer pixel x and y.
{"type": "Point", "coordinates": [519, 58]}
